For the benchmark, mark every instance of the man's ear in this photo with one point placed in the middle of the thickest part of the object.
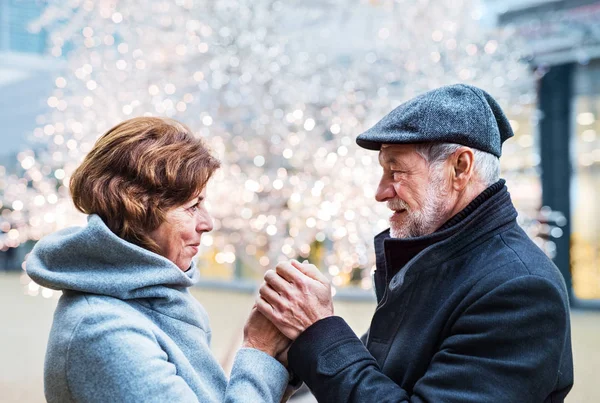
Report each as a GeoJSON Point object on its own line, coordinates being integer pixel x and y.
{"type": "Point", "coordinates": [463, 161]}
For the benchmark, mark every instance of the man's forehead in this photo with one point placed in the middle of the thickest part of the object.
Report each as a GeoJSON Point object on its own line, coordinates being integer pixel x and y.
{"type": "Point", "coordinates": [394, 153]}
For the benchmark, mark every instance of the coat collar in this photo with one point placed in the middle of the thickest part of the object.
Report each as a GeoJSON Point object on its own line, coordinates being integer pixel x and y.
{"type": "Point", "coordinates": [489, 213]}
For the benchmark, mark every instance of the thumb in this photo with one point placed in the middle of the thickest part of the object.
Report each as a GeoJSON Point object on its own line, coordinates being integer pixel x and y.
{"type": "Point", "coordinates": [309, 270]}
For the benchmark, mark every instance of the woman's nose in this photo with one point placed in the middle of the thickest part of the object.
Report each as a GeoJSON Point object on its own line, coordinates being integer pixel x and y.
{"type": "Point", "coordinates": [205, 222]}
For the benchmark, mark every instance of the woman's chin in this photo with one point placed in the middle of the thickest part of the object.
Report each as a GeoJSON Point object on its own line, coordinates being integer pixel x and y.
{"type": "Point", "coordinates": [184, 264]}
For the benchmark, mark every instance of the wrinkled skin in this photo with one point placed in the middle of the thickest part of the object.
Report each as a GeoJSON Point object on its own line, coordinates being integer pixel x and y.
{"type": "Point", "coordinates": [261, 334]}
{"type": "Point", "coordinates": [294, 296]}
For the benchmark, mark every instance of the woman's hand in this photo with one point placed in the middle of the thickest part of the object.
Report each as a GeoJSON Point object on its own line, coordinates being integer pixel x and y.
{"type": "Point", "coordinates": [262, 335]}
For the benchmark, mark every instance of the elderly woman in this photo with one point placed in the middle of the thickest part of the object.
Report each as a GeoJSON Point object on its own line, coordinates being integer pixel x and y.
{"type": "Point", "coordinates": [126, 327]}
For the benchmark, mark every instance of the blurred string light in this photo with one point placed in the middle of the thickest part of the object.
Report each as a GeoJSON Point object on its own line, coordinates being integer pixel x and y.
{"type": "Point", "coordinates": [279, 90]}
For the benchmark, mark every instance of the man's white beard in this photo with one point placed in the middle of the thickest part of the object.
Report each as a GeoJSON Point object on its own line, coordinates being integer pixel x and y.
{"type": "Point", "coordinates": [428, 217]}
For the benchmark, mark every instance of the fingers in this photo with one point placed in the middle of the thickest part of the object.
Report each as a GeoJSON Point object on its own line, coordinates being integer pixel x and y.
{"type": "Point", "coordinates": [275, 317]}
{"type": "Point", "coordinates": [310, 270]}
{"type": "Point", "coordinates": [271, 296]}
{"type": "Point", "coordinates": [266, 309]}
{"type": "Point", "coordinates": [276, 282]}
{"type": "Point", "coordinates": [289, 272]}
{"type": "Point", "coordinates": [296, 272]}
{"type": "Point", "coordinates": [261, 333]}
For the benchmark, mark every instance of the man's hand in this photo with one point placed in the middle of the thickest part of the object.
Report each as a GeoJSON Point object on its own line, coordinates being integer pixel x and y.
{"type": "Point", "coordinates": [262, 335]}
{"type": "Point", "coordinates": [294, 296]}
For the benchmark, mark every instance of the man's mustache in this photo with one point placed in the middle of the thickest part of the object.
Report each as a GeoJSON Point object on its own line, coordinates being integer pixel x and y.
{"type": "Point", "coordinates": [397, 204]}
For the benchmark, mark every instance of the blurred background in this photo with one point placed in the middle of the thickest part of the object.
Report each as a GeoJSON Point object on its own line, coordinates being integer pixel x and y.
{"type": "Point", "coordinates": [279, 90]}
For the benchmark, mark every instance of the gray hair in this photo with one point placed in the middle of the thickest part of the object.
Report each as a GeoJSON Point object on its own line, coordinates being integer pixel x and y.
{"type": "Point", "coordinates": [486, 166]}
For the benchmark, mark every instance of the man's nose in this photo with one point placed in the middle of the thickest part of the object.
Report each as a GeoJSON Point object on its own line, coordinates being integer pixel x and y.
{"type": "Point", "coordinates": [385, 191]}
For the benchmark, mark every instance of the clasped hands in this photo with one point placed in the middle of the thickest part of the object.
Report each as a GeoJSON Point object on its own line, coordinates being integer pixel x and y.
{"type": "Point", "coordinates": [293, 297]}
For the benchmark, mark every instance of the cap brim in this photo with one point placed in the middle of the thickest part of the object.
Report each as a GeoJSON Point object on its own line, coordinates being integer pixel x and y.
{"type": "Point", "coordinates": [368, 144]}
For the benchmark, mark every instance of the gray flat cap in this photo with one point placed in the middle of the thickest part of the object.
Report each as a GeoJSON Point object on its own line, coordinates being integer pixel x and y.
{"type": "Point", "coordinates": [459, 113]}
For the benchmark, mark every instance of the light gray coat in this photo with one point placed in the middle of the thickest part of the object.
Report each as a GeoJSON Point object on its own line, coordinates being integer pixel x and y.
{"type": "Point", "coordinates": [126, 328]}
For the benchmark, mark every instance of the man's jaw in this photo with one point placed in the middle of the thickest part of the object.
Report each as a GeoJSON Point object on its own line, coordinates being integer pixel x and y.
{"type": "Point", "coordinates": [398, 218]}
{"type": "Point", "coordinates": [398, 231]}
{"type": "Point", "coordinates": [398, 215]}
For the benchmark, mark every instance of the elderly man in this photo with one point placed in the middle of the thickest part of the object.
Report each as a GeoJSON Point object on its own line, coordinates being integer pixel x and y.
{"type": "Point", "coordinates": [469, 308]}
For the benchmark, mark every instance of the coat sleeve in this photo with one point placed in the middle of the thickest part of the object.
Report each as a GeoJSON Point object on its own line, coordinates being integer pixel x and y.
{"type": "Point", "coordinates": [504, 346]}
{"type": "Point", "coordinates": [256, 377]}
{"type": "Point", "coordinates": [121, 362]}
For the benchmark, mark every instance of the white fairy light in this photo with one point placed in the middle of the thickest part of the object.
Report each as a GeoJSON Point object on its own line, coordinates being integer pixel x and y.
{"type": "Point", "coordinates": [276, 99]}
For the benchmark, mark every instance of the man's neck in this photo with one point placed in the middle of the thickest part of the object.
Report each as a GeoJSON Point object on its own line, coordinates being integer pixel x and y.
{"type": "Point", "coordinates": [481, 197]}
{"type": "Point", "coordinates": [465, 197]}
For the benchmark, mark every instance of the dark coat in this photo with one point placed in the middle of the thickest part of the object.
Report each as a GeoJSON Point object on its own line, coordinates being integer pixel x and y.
{"type": "Point", "coordinates": [479, 315]}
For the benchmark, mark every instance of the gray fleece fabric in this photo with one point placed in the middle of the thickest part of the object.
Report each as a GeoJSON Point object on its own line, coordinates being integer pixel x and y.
{"type": "Point", "coordinates": [126, 328]}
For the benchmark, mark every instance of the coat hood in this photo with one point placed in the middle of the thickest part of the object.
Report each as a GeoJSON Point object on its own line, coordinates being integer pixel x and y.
{"type": "Point", "coordinates": [92, 259]}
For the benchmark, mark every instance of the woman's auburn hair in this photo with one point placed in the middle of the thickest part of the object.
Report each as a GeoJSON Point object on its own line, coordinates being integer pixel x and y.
{"type": "Point", "coordinates": [139, 170]}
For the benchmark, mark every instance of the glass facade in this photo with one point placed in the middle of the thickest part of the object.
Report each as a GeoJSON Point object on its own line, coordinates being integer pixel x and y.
{"type": "Point", "coordinates": [585, 184]}
{"type": "Point", "coordinates": [521, 160]}
{"type": "Point", "coordinates": [15, 17]}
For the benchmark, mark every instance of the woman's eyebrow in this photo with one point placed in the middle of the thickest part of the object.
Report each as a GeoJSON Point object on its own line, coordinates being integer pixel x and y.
{"type": "Point", "coordinates": [193, 201]}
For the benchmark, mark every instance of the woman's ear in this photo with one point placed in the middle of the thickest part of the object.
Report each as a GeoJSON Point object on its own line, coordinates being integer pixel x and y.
{"type": "Point", "coordinates": [463, 161]}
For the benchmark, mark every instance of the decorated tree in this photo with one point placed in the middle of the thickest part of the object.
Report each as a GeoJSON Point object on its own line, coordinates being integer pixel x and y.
{"type": "Point", "coordinates": [279, 90]}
